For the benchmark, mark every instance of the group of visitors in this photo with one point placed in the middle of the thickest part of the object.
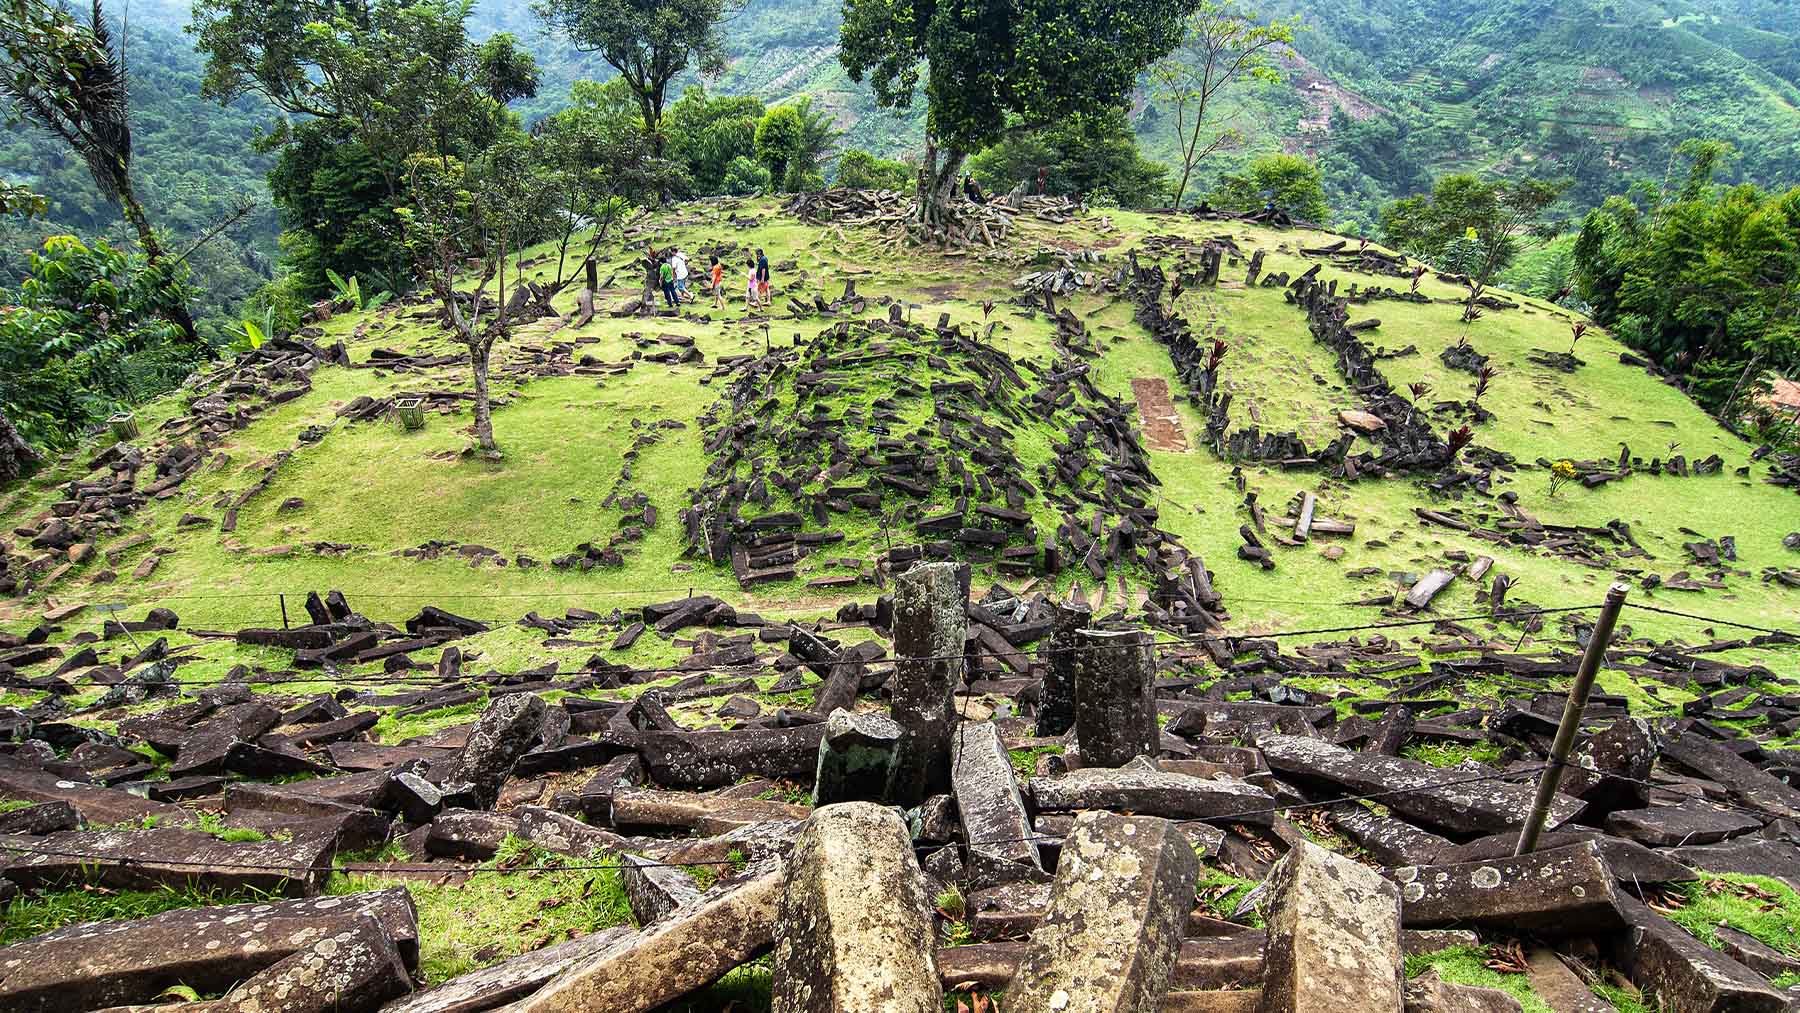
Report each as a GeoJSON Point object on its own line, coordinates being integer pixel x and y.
{"type": "Point", "coordinates": [667, 271]}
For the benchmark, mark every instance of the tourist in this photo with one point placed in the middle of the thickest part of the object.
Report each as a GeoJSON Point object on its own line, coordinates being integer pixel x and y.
{"type": "Point", "coordinates": [718, 282]}
{"type": "Point", "coordinates": [667, 274]}
{"type": "Point", "coordinates": [652, 278]}
{"type": "Point", "coordinates": [752, 284]}
{"type": "Point", "coordinates": [972, 190]}
{"type": "Point", "coordinates": [678, 260]}
{"type": "Point", "coordinates": [762, 275]}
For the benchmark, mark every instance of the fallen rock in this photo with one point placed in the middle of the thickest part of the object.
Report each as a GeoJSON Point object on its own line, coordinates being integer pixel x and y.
{"type": "Point", "coordinates": [670, 959]}
{"type": "Point", "coordinates": [856, 758]}
{"type": "Point", "coordinates": [1446, 798]}
{"type": "Point", "coordinates": [1684, 974]}
{"type": "Point", "coordinates": [838, 948]}
{"type": "Point", "coordinates": [1334, 935]}
{"type": "Point", "coordinates": [1565, 891]}
{"type": "Point", "coordinates": [1143, 789]}
{"type": "Point", "coordinates": [1429, 993]}
{"type": "Point", "coordinates": [996, 829]}
{"type": "Point", "coordinates": [146, 859]}
{"type": "Point", "coordinates": [1112, 934]}
{"type": "Point", "coordinates": [505, 731]}
{"type": "Point", "coordinates": [209, 949]}
{"type": "Point", "coordinates": [508, 981]}
{"type": "Point", "coordinates": [353, 968]}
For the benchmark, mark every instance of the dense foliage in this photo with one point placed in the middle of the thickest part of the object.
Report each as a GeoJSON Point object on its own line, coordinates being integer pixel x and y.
{"type": "Point", "coordinates": [86, 334]}
{"type": "Point", "coordinates": [1092, 156]}
{"type": "Point", "coordinates": [1289, 183]}
{"type": "Point", "coordinates": [1702, 277]}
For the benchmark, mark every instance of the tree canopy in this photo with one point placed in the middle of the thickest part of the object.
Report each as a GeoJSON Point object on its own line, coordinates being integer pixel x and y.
{"type": "Point", "coordinates": [1090, 156]}
{"type": "Point", "coordinates": [1008, 65]}
{"type": "Point", "coordinates": [1293, 184]}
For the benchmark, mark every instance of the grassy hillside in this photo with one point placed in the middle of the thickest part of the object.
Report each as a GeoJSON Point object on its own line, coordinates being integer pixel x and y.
{"type": "Point", "coordinates": [370, 491]}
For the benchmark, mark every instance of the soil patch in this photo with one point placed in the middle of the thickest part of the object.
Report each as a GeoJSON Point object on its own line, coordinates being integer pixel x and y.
{"type": "Point", "coordinates": [1162, 426]}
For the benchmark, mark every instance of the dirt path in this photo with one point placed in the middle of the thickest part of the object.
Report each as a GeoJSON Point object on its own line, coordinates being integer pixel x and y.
{"type": "Point", "coordinates": [1162, 425]}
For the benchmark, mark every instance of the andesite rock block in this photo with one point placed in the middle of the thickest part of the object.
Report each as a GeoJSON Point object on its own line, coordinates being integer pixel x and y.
{"type": "Point", "coordinates": [1334, 936]}
{"type": "Point", "coordinates": [854, 927]}
{"type": "Point", "coordinates": [1112, 934]}
{"type": "Point", "coordinates": [996, 828]}
{"type": "Point", "coordinates": [1564, 891]}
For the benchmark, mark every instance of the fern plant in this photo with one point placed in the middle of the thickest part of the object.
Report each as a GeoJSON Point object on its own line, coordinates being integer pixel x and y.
{"type": "Point", "coordinates": [350, 290]}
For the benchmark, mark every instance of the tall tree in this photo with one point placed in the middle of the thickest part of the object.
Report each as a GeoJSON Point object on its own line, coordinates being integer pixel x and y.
{"type": "Point", "coordinates": [69, 78]}
{"type": "Point", "coordinates": [649, 42]}
{"type": "Point", "coordinates": [1482, 225]}
{"type": "Point", "coordinates": [1224, 44]}
{"type": "Point", "coordinates": [1091, 155]}
{"type": "Point", "coordinates": [1000, 66]}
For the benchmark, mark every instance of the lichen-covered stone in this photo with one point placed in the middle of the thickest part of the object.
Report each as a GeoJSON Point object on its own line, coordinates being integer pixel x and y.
{"type": "Point", "coordinates": [1562, 891]}
{"type": "Point", "coordinates": [690, 950]}
{"type": "Point", "coordinates": [995, 826]}
{"type": "Point", "coordinates": [210, 949]}
{"type": "Point", "coordinates": [147, 859]}
{"type": "Point", "coordinates": [1115, 699]}
{"type": "Point", "coordinates": [1056, 705]}
{"type": "Point", "coordinates": [930, 627]}
{"type": "Point", "coordinates": [1682, 973]}
{"type": "Point", "coordinates": [856, 758]}
{"type": "Point", "coordinates": [507, 728]}
{"type": "Point", "coordinates": [491, 987]}
{"type": "Point", "coordinates": [1334, 936]}
{"type": "Point", "coordinates": [1144, 789]}
{"type": "Point", "coordinates": [1429, 993]}
{"type": "Point", "coordinates": [1112, 934]}
{"type": "Point", "coordinates": [353, 969]}
{"type": "Point", "coordinates": [1439, 797]}
{"type": "Point", "coordinates": [854, 929]}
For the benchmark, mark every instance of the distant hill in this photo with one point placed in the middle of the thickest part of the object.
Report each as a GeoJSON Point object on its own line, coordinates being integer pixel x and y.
{"type": "Point", "coordinates": [1385, 93]}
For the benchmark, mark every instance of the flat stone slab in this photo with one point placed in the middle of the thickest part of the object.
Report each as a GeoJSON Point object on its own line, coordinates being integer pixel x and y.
{"type": "Point", "coordinates": [1751, 856]}
{"type": "Point", "coordinates": [97, 805]}
{"type": "Point", "coordinates": [509, 980]}
{"type": "Point", "coordinates": [1140, 789]}
{"type": "Point", "coordinates": [670, 959]}
{"type": "Point", "coordinates": [716, 759]}
{"type": "Point", "coordinates": [209, 949]}
{"type": "Point", "coordinates": [1424, 793]}
{"type": "Point", "coordinates": [1563, 891]}
{"type": "Point", "coordinates": [1672, 826]}
{"type": "Point", "coordinates": [141, 859]}
{"type": "Point", "coordinates": [1748, 784]}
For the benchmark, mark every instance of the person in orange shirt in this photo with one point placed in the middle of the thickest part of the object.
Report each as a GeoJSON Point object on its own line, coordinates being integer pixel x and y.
{"type": "Point", "coordinates": [718, 283]}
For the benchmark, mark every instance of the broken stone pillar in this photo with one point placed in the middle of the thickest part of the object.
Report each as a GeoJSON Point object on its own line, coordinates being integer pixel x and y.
{"type": "Point", "coordinates": [856, 758]}
{"type": "Point", "coordinates": [853, 929]}
{"type": "Point", "coordinates": [930, 626]}
{"type": "Point", "coordinates": [1429, 993]}
{"type": "Point", "coordinates": [691, 949]}
{"type": "Point", "coordinates": [1562, 891]}
{"type": "Point", "coordinates": [1334, 936]}
{"type": "Point", "coordinates": [1056, 706]}
{"type": "Point", "coordinates": [507, 728]}
{"type": "Point", "coordinates": [995, 826]}
{"type": "Point", "coordinates": [1115, 700]}
{"type": "Point", "coordinates": [1118, 906]}
{"type": "Point", "coordinates": [353, 968]}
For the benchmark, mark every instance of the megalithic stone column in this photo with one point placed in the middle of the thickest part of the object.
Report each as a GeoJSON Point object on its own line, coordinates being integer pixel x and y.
{"type": "Point", "coordinates": [1056, 705]}
{"type": "Point", "coordinates": [1112, 933]}
{"type": "Point", "coordinates": [853, 930]}
{"type": "Point", "coordinates": [856, 758]}
{"type": "Point", "coordinates": [1115, 696]}
{"type": "Point", "coordinates": [1334, 936]}
{"type": "Point", "coordinates": [930, 627]}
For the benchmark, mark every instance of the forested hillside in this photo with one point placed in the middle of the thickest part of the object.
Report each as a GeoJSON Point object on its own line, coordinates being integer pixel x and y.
{"type": "Point", "coordinates": [1384, 93]}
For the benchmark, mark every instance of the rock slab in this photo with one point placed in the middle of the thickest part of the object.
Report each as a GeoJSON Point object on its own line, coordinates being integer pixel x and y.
{"type": "Point", "coordinates": [1334, 936]}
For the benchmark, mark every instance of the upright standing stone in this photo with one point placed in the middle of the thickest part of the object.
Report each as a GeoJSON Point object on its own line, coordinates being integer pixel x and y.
{"type": "Point", "coordinates": [1334, 936]}
{"type": "Point", "coordinates": [856, 758]}
{"type": "Point", "coordinates": [930, 626]}
{"type": "Point", "coordinates": [1056, 705]}
{"type": "Point", "coordinates": [1115, 697]}
{"type": "Point", "coordinates": [995, 826]}
{"type": "Point", "coordinates": [853, 929]}
{"type": "Point", "coordinates": [507, 728]}
{"type": "Point", "coordinates": [1118, 907]}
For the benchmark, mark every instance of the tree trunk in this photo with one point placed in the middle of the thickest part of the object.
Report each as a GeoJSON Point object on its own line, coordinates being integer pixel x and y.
{"type": "Point", "coordinates": [937, 183]}
{"type": "Point", "coordinates": [134, 213]}
{"type": "Point", "coordinates": [17, 458]}
{"type": "Point", "coordinates": [479, 352]}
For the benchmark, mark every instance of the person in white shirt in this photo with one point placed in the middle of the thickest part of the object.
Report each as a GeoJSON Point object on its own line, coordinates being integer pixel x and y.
{"type": "Point", "coordinates": [681, 276]}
